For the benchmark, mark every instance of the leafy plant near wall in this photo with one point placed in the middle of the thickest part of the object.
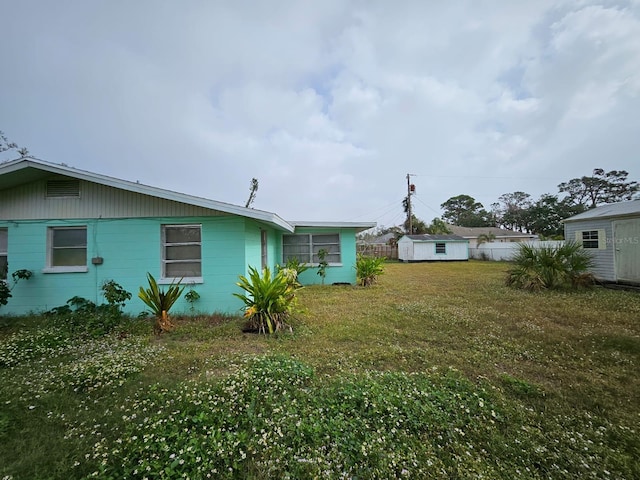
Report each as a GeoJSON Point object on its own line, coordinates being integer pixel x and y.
{"type": "Point", "coordinates": [537, 268]}
{"type": "Point", "coordinates": [80, 315]}
{"type": "Point", "coordinates": [323, 264]}
{"type": "Point", "coordinates": [295, 264]}
{"type": "Point", "coordinates": [160, 302]}
{"type": "Point", "coordinates": [115, 295]}
{"type": "Point", "coordinates": [192, 297]}
{"type": "Point", "coordinates": [368, 269]}
{"type": "Point", "coordinates": [5, 289]}
{"type": "Point", "coordinates": [269, 300]}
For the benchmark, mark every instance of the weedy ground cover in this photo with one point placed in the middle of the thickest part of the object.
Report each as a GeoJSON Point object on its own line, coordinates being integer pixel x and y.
{"type": "Point", "coordinates": [436, 371]}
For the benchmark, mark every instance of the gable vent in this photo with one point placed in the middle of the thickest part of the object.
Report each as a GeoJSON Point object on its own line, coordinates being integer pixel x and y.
{"type": "Point", "coordinates": [63, 188]}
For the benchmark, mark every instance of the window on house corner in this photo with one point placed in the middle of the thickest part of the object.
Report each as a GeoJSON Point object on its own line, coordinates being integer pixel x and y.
{"type": "Point", "coordinates": [67, 246]}
{"type": "Point", "coordinates": [590, 239]}
{"type": "Point", "coordinates": [441, 248]}
{"type": "Point", "coordinates": [181, 251]}
{"type": "Point", "coordinates": [305, 247]}
{"type": "Point", "coordinates": [4, 247]}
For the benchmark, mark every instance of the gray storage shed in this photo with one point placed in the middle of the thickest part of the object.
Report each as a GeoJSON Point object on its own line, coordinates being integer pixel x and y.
{"type": "Point", "coordinates": [612, 234]}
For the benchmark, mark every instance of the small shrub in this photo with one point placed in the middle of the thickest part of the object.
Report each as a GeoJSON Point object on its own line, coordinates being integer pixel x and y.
{"type": "Point", "coordinates": [192, 297]}
{"type": "Point", "coordinates": [537, 268]}
{"type": "Point", "coordinates": [5, 289]}
{"type": "Point", "coordinates": [368, 269]}
{"type": "Point", "coordinates": [82, 316]}
{"type": "Point", "coordinates": [323, 264]}
{"type": "Point", "coordinates": [114, 294]}
{"type": "Point", "coordinates": [269, 300]}
{"type": "Point", "coordinates": [160, 302]}
{"type": "Point", "coordinates": [297, 265]}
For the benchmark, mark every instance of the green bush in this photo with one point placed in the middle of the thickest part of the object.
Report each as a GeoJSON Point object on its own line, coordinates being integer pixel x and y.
{"type": "Point", "coordinates": [160, 302]}
{"type": "Point", "coordinates": [5, 289]}
{"type": "Point", "coordinates": [368, 269]}
{"type": "Point", "coordinates": [537, 268]}
{"type": "Point", "coordinates": [269, 300]}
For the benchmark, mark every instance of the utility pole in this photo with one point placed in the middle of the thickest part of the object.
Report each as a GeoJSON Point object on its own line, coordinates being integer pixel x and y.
{"type": "Point", "coordinates": [410, 189]}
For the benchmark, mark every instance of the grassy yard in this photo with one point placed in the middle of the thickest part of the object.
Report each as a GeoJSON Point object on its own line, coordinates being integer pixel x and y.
{"type": "Point", "coordinates": [437, 371]}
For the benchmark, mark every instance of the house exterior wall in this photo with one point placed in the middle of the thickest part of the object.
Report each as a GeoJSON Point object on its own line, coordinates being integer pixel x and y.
{"type": "Point", "coordinates": [29, 201]}
{"type": "Point", "coordinates": [343, 273]}
{"type": "Point", "coordinates": [130, 248]}
{"type": "Point", "coordinates": [603, 258]}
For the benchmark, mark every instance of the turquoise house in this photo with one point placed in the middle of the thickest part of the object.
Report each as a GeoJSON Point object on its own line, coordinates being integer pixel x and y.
{"type": "Point", "coordinates": [76, 230]}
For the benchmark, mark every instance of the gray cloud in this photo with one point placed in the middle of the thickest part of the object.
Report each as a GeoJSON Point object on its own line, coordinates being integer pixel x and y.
{"type": "Point", "coordinates": [328, 104]}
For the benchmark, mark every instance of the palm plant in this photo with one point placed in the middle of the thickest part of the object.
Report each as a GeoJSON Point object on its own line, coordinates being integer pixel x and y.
{"type": "Point", "coordinates": [368, 269]}
{"type": "Point", "coordinates": [269, 300]}
{"type": "Point", "coordinates": [160, 302]}
{"type": "Point", "coordinates": [537, 268]}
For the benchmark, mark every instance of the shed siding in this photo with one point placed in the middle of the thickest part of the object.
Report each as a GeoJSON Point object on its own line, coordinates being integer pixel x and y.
{"type": "Point", "coordinates": [627, 249]}
{"type": "Point", "coordinates": [130, 248]}
{"type": "Point", "coordinates": [29, 201]}
{"type": "Point", "coordinates": [603, 259]}
{"type": "Point", "coordinates": [425, 251]}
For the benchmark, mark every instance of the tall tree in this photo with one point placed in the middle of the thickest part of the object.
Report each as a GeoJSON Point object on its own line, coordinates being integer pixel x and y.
{"type": "Point", "coordinates": [438, 227]}
{"type": "Point", "coordinates": [545, 216]}
{"type": "Point", "coordinates": [511, 210]}
{"type": "Point", "coordinates": [465, 211]}
{"type": "Point", "coordinates": [5, 145]}
{"type": "Point", "coordinates": [600, 188]}
{"type": "Point", "coordinates": [253, 190]}
{"type": "Point", "coordinates": [418, 226]}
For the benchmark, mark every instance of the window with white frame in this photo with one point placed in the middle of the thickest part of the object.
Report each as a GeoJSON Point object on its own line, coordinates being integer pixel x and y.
{"type": "Point", "coordinates": [181, 251]}
{"type": "Point", "coordinates": [592, 239]}
{"type": "Point", "coordinates": [305, 247]}
{"type": "Point", "coordinates": [441, 247]}
{"type": "Point", "coordinates": [4, 247]}
{"type": "Point", "coordinates": [67, 247]}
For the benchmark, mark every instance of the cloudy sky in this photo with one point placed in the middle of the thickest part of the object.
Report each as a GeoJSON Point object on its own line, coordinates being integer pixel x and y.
{"type": "Point", "coordinates": [330, 104]}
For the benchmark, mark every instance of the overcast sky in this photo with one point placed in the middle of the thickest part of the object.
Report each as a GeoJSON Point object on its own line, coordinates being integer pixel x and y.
{"type": "Point", "coordinates": [330, 104]}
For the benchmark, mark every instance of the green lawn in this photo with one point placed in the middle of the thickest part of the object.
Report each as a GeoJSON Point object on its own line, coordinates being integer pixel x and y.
{"type": "Point", "coordinates": [437, 371]}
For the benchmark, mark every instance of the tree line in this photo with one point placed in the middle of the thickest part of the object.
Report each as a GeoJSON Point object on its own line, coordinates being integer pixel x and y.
{"type": "Point", "coordinates": [519, 211]}
{"type": "Point", "coordinates": [543, 216]}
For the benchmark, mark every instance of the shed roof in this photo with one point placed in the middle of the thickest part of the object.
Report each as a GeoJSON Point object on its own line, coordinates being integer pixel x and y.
{"type": "Point", "coordinates": [436, 238]}
{"type": "Point", "coordinates": [622, 209]}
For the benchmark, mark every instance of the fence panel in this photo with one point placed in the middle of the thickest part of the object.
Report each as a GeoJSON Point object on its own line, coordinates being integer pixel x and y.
{"type": "Point", "coordinates": [376, 250]}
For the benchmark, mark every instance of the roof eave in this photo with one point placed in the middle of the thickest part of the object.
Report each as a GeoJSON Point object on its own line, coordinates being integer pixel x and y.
{"type": "Point", "coordinates": [28, 162]}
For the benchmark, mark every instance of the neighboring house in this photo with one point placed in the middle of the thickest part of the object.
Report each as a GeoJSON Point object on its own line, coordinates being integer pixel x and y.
{"type": "Point", "coordinates": [75, 230]}
{"type": "Point", "coordinates": [424, 248]}
{"type": "Point", "coordinates": [612, 234]}
{"type": "Point", "coordinates": [498, 234]}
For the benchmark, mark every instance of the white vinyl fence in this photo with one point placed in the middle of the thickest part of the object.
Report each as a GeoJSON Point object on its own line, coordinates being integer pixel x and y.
{"type": "Point", "coordinates": [503, 251]}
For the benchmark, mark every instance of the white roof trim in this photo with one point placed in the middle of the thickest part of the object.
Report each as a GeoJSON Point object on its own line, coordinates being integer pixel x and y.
{"type": "Point", "coordinates": [29, 162]}
{"type": "Point", "coordinates": [359, 226]}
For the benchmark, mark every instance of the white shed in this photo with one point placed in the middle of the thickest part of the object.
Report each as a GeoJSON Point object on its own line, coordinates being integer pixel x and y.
{"type": "Point", "coordinates": [612, 234]}
{"type": "Point", "coordinates": [433, 248]}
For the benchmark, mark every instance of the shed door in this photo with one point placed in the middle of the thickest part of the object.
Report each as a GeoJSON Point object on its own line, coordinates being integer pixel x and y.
{"type": "Point", "coordinates": [626, 235]}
